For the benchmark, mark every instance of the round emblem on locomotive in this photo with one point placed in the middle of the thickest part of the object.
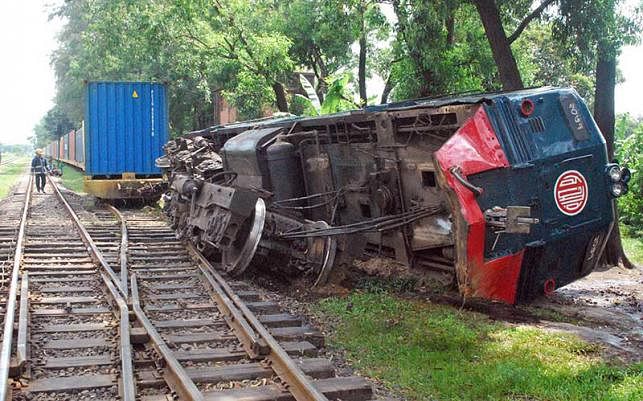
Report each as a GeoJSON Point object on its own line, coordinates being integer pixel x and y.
{"type": "Point", "coordinates": [571, 192]}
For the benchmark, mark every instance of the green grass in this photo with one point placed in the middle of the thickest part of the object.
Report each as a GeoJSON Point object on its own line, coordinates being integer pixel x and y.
{"type": "Point", "coordinates": [10, 173]}
{"type": "Point", "coordinates": [632, 244]}
{"type": "Point", "coordinates": [429, 352]}
{"type": "Point", "coordinates": [73, 178]}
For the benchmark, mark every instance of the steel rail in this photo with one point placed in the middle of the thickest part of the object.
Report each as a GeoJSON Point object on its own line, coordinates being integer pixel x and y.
{"type": "Point", "coordinates": [183, 385]}
{"type": "Point", "coordinates": [10, 161]}
{"type": "Point", "coordinates": [10, 309]}
{"type": "Point", "coordinates": [127, 371]}
{"type": "Point", "coordinates": [251, 343]}
{"type": "Point", "coordinates": [181, 381]}
{"type": "Point", "coordinates": [113, 284]}
{"type": "Point", "coordinates": [298, 383]}
{"type": "Point", "coordinates": [123, 247]}
{"type": "Point", "coordinates": [95, 253]}
{"type": "Point", "coordinates": [23, 318]}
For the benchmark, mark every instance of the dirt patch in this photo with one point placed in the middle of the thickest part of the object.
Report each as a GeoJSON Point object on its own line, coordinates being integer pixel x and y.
{"type": "Point", "coordinates": [607, 307]}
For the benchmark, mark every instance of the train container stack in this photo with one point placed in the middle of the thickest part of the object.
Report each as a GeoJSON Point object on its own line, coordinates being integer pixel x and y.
{"type": "Point", "coordinates": [125, 127]}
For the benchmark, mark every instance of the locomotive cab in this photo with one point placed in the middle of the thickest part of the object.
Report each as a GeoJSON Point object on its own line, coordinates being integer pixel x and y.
{"type": "Point", "coordinates": [527, 179]}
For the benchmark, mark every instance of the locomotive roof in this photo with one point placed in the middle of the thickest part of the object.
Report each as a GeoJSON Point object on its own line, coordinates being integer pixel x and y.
{"type": "Point", "coordinates": [438, 101]}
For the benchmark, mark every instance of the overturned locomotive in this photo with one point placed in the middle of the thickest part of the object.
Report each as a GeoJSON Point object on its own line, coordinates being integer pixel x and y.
{"type": "Point", "coordinates": [510, 194]}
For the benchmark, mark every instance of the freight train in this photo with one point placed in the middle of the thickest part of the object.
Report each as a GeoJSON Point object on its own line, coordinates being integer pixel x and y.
{"type": "Point", "coordinates": [125, 127]}
{"type": "Point", "coordinates": [511, 194]}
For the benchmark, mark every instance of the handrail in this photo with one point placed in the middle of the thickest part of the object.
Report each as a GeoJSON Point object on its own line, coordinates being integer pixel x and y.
{"type": "Point", "coordinates": [10, 310]}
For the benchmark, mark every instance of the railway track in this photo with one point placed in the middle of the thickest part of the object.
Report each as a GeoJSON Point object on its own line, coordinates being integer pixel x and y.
{"type": "Point", "coordinates": [12, 213]}
{"type": "Point", "coordinates": [192, 335]}
{"type": "Point", "coordinates": [73, 336]}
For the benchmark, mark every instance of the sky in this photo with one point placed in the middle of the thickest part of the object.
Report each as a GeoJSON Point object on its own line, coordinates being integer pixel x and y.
{"type": "Point", "coordinates": [27, 82]}
{"type": "Point", "coordinates": [27, 85]}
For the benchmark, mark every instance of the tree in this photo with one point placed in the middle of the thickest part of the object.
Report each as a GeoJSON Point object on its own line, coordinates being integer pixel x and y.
{"type": "Point", "coordinates": [370, 26]}
{"type": "Point", "coordinates": [321, 34]}
{"type": "Point", "coordinates": [51, 127]}
{"type": "Point", "coordinates": [501, 44]}
{"type": "Point", "coordinates": [440, 47]}
{"type": "Point", "coordinates": [629, 152]}
{"type": "Point", "coordinates": [133, 41]}
{"type": "Point", "coordinates": [602, 42]}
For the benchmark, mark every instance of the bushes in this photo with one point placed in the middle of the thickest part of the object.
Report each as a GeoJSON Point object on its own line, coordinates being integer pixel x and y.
{"type": "Point", "coordinates": [629, 152]}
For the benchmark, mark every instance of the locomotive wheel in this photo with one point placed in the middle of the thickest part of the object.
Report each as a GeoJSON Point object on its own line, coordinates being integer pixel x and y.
{"type": "Point", "coordinates": [235, 259]}
{"type": "Point", "coordinates": [326, 247]}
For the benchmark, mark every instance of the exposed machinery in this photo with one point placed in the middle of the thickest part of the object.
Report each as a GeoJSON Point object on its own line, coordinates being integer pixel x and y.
{"type": "Point", "coordinates": [510, 194]}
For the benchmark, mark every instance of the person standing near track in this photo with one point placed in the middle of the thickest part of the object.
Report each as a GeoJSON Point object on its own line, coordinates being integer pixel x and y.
{"type": "Point", "coordinates": [39, 168]}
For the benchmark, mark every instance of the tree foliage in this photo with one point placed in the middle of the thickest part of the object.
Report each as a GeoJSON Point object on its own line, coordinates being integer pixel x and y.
{"type": "Point", "coordinates": [51, 127]}
{"type": "Point", "coordinates": [250, 51]}
{"type": "Point", "coordinates": [629, 152]}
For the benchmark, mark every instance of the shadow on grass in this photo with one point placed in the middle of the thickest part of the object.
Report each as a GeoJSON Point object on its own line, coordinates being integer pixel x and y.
{"type": "Point", "coordinates": [430, 351]}
{"type": "Point", "coordinates": [73, 178]}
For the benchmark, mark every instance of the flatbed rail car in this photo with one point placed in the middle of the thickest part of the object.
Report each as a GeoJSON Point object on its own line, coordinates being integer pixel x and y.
{"type": "Point", "coordinates": [508, 194]}
{"type": "Point", "coordinates": [126, 125]}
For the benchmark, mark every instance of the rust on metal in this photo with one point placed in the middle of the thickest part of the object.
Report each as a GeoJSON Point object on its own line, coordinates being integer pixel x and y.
{"type": "Point", "coordinates": [21, 346]}
{"type": "Point", "coordinates": [127, 372]}
{"type": "Point", "coordinates": [128, 391]}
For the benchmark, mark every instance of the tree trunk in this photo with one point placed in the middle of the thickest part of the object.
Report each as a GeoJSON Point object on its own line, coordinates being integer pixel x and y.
{"type": "Point", "coordinates": [500, 46]}
{"type": "Point", "coordinates": [388, 87]}
{"type": "Point", "coordinates": [322, 86]}
{"type": "Point", "coordinates": [450, 26]}
{"type": "Point", "coordinates": [280, 96]}
{"type": "Point", "coordinates": [362, 64]}
{"type": "Point", "coordinates": [604, 116]}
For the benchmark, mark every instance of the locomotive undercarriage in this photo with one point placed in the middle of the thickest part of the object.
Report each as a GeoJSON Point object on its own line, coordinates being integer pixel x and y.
{"type": "Point", "coordinates": [305, 197]}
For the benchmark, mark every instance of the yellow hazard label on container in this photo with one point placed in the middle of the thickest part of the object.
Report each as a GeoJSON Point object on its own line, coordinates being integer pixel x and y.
{"type": "Point", "coordinates": [135, 95]}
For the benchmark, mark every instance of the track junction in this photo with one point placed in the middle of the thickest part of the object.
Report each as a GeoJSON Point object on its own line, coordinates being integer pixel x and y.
{"type": "Point", "coordinates": [107, 304]}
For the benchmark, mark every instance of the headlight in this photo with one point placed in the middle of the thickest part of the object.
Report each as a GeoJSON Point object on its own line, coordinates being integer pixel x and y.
{"type": "Point", "coordinates": [618, 189]}
{"type": "Point", "coordinates": [615, 173]}
{"type": "Point", "coordinates": [626, 175]}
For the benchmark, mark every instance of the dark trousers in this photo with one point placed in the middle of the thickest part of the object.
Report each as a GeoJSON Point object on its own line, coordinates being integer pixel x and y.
{"type": "Point", "coordinates": [40, 182]}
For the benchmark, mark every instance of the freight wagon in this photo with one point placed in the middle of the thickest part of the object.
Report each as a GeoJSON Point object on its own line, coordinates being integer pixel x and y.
{"type": "Point", "coordinates": [510, 195]}
{"type": "Point", "coordinates": [73, 149]}
{"type": "Point", "coordinates": [125, 126]}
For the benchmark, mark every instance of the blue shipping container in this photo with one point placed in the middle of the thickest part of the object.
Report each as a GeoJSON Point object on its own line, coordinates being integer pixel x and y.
{"type": "Point", "coordinates": [126, 125]}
